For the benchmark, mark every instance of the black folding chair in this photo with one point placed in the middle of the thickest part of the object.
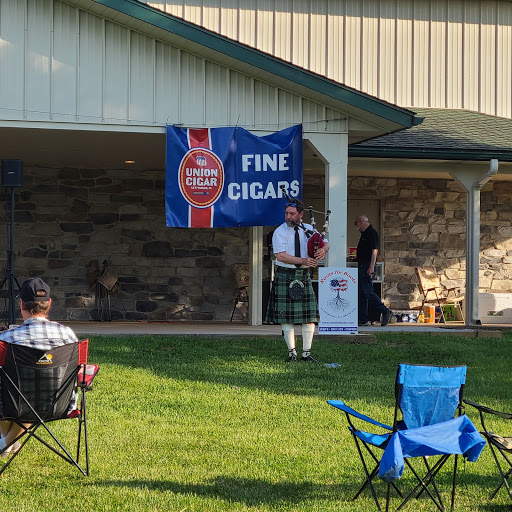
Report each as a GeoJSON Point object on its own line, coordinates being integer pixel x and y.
{"type": "Point", "coordinates": [497, 444]}
{"type": "Point", "coordinates": [38, 387]}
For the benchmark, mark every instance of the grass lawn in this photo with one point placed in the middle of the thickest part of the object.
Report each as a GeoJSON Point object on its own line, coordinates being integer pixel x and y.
{"type": "Point", "coordinates": [223, 424]}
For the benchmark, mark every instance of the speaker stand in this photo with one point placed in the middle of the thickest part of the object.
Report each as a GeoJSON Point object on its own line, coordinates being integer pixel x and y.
{"type": "Point", "coordinates": [9, 278]}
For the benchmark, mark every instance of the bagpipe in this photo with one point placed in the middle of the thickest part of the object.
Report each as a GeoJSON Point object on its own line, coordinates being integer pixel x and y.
{"type": "Point", "coordinates": [316, 240]}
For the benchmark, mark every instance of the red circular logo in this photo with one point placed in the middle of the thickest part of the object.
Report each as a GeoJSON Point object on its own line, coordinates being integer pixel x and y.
{"type": "Point", "coordinates": [201, 177]}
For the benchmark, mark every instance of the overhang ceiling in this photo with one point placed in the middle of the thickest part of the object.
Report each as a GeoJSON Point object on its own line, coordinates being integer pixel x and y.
{"type": "Point", "coordinates": [83, 148]}
{"type": "Point", "coordinates": [91, 149]}
{"type": "Point", "coordinates": [110, 149]}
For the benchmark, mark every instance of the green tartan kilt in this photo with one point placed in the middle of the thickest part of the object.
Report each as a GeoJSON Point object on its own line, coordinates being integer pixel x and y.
{"type": "Point", "coordinates": [282, 309]}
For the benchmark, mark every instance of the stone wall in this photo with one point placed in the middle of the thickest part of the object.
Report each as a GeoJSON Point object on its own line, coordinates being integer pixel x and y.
{"type": "Point", "coordinates": [64, 218]}
{"type": "Point", "coordinates": [424, 224]}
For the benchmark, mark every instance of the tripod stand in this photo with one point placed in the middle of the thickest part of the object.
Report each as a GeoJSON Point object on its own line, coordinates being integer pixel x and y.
{"type": "Point", "coordinates": [9, 277]}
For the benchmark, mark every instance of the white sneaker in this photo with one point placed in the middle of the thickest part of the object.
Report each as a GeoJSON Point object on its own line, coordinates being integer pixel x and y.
{"type": "Point", "coordinates": [15, 447]}
{"type": "Point", "coordinates": [5, 453]}
{"type": "Point", "coordinates": [11, 450]}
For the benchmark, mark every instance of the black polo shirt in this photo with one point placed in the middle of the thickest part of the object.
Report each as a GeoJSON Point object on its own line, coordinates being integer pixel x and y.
{"type": "Point", "coordinates": [368, 241]}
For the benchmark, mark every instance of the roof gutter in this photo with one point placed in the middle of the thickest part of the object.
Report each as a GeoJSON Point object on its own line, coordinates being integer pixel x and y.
{"type": "Point", "coordinates": [428, 154]}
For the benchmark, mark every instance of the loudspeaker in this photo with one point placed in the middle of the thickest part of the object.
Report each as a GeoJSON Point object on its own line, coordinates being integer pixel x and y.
{"type": "Point", "coordinates": [12, 171]}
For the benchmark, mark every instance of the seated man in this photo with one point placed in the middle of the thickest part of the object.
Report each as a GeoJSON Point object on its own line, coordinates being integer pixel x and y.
{"type": "Point", "coordinates": [36, 332]}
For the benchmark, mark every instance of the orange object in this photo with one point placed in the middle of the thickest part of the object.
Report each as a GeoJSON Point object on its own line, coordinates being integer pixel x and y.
{"type": "Point", "coordinates": [430, 313]}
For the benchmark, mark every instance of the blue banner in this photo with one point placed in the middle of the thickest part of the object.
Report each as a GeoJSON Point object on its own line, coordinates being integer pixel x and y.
{"type": "Point", "coordinates": [225, 177]}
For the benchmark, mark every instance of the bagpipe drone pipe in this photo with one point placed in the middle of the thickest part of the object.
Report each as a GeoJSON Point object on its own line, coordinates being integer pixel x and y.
{"type": "Point", "coordinates": [316, 240]}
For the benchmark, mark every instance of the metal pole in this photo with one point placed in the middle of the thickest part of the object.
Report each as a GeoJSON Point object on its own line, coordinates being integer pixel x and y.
{"type": "Point", "coordinates": [12, 309]}
{"type": "Point", "coordinates": [255, 275]}
{"type": "Point", "coordinates": [472, 256]}
{"type": "Point", "coordinates": [472, 180]}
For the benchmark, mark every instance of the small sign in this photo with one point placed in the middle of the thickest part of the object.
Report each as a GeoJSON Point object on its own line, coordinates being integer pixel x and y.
{"type": "Point", "coordinates": [337, 300]}
{"type": "Point", "coordinates": [201, 177]}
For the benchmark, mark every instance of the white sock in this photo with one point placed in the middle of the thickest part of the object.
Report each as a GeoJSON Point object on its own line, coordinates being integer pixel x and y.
{"type": "Point", "coordinates": [308, 331]}
{"type": "Point", "coordinates": [289, 336]}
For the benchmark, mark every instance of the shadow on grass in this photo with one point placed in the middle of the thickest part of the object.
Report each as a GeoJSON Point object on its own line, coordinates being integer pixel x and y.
{"type": "Point", "coordinates": [251, 492]}
{"type": "Point", "coordinates": [491, 507]}
{"type": "Point", "coordinates": [254, 492]}
{"type": "Point", "coordinates": [367, 370]}
{"type": "Point", "coordinates": [253, 363]}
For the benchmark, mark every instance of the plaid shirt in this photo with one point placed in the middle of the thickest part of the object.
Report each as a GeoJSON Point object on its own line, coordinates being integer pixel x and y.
{"type": "Point", "coordinates": [40, 333]}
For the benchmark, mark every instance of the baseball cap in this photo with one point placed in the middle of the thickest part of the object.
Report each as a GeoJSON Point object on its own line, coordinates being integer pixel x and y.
{"type": "Point", "coordinates": [34, 290]}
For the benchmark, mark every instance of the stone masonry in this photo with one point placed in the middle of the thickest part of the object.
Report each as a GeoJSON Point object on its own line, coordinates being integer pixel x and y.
{"type": "Point", "coordinates": [424, 224]}
{"type": "Point", "coordinates": [64, 218]}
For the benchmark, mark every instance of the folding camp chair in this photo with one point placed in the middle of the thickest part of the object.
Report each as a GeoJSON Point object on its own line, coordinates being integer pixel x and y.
{"type": "Point", "coordinates": [428, 398]}
{"type": "Point", "coordinates": [432, 291]}
{"type": "Point", "coordinates": [242, 282]}
{"type": "Point", "coordinates": [497, 443]}
{"type": "Point", "coordinates": [38, 387]}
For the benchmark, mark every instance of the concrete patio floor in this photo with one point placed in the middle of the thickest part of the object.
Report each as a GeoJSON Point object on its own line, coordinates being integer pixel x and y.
{"type": "Point", "coordinates": [242, 329]}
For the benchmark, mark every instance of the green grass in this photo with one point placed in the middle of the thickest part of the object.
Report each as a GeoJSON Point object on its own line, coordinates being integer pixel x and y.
{"type": "Point", "coordinates": [223, 424]}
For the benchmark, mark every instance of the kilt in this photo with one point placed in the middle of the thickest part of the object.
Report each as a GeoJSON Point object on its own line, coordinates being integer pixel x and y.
{"type": "Point", "coordinates": [282, 309]}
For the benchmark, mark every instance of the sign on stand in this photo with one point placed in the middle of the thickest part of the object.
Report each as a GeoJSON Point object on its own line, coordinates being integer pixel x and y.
{"type": "Point", "coordinates": [337, 300]}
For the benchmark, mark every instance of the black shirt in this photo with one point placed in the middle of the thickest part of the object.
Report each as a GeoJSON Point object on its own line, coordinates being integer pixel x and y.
{"type": "Point", "coordinates": [369, 240]}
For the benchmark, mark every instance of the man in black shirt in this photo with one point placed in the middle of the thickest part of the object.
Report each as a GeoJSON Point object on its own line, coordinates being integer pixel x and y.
{"type": "Point", "coordinates": [367, 250]}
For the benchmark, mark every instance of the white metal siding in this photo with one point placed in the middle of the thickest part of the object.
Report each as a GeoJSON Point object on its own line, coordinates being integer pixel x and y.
{"type": "Point", "coordinates": [241, 99]}
{"type": "Point", "coordinates": [436, 53]}
{"type": "Point", "coordinates": [167, 85]}
{"type": "Point", "coordinates": [142, 78]}
{"type": "Point", "coordinates": [12, 53]}
{"type": "Point", "coordinates": [386, 45]}
{"type": "Point", "coordinates": [265, 111]}
{"type": "Point", "coordinates": [419, 37]}
{"type": "Point", "coordinates": [353, 46]}
{"type": "Point", "coordinates": [504, 60]}
{"type": "Point", "coordinates": [116, 72]}
{"type": "Point", "coordinates": [282, 30]}
{"type": "Point", "coordinates": [471, 47]}
{"type": "Point", "coordinates": [217, 95]}
{"type": "Point", "coordinates": [60, 64]}
{"type": "Point", "coordinates": [38, 59]}
{"type": "Point", "coordinates": [265, 25]}
{"type": "Point", "coordinates": [454, 58]}
{"type": "Point", "coordinates": [89, 68]}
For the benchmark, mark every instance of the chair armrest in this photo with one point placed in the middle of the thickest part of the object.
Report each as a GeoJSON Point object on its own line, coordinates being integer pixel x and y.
{"type": "Point", "coordinates": [85, 378]}
{"type": "Point", "coordinates": [339, 404]}
{"type": "Point", "coordinates": [488, 410]}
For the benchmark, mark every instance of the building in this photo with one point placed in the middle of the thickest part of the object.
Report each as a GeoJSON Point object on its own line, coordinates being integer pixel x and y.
{"type": "Point", "coordinates": [88, 86]}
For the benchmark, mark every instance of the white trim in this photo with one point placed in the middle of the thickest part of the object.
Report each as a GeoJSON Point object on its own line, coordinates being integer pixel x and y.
{"type": "Point", "coordinates": [97, 127]}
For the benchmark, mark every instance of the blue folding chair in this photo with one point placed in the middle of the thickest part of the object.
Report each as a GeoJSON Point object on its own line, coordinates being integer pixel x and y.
{"type": "Point", "coordinates": [428, 398]}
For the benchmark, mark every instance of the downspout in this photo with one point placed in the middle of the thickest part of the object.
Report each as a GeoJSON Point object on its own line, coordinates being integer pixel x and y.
{"type": "Point", "coordinates": [473, 183]}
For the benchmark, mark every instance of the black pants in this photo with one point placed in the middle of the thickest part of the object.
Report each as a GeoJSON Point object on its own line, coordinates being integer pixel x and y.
{"type": "Point", "coordinates": [366, 294]}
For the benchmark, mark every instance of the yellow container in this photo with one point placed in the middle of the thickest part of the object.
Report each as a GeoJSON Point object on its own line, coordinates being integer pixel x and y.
{"type": "Point", "coordinates": [430, 313]}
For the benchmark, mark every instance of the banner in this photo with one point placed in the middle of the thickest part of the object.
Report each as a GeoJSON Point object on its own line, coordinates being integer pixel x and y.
{"type": "Point", "coordinates": [225, 177]}
{"type": "Point", "coordinates": [337, 300]}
